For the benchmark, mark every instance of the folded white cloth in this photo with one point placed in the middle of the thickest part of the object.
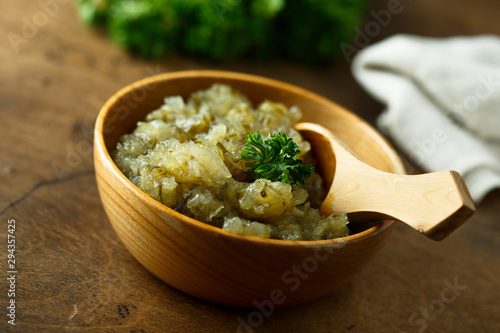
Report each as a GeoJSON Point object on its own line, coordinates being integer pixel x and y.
{"type": "Point", "coordinates": [443, 102]}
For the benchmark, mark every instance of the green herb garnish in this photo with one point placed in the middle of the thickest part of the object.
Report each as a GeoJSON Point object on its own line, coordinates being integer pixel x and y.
{"type": "Point", "coordinates": [229, 29]}
{"type": "Point", "coordinates": [274, 158]}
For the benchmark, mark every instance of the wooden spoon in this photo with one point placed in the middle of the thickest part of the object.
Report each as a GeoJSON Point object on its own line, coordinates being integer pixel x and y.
{"type": "Point", "coordinates": [435, 203]}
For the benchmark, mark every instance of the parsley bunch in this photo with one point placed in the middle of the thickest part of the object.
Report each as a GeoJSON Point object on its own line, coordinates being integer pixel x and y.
{"type": "Point", "coordinates": [274, 158]}
{"type": "Point", "coordinates": [309, 31]}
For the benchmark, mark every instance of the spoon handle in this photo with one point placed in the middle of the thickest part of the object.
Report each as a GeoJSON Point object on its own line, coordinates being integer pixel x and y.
{"type": "Point", "coordinates": [434, 203]}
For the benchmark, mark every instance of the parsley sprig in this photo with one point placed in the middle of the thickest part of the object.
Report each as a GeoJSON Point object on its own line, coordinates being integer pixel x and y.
{"type": "Point", "coordinates": [274, 158]}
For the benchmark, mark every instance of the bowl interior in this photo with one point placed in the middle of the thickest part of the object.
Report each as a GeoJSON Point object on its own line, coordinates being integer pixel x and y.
{"type": "Point", "coordinates": [130, 105]}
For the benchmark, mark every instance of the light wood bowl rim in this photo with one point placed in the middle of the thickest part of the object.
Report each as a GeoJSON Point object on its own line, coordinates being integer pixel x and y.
{"type": "Point", "coordinates": [148, 200]}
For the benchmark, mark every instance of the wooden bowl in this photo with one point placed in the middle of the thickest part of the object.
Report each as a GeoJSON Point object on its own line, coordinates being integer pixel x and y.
{"type": "Point", "coordinates": [217, 265]}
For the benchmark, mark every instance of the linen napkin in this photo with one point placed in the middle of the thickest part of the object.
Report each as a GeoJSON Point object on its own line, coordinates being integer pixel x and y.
{"type": "Point", "coordinates": [442, 100]}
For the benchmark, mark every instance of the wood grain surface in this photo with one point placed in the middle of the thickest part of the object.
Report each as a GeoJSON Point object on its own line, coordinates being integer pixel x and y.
{"type": "Point", "coordinates": [73, 273]}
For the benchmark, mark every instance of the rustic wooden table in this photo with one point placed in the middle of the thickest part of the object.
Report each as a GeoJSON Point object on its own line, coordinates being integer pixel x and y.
{"type": "Point", "coordinates": [74, 275]}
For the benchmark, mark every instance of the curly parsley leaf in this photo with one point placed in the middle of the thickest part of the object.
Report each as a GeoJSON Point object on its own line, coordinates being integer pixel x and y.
{"type": "Point", "coordinates": [274, 158]}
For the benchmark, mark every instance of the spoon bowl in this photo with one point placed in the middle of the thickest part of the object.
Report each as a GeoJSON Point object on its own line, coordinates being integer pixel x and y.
{"type": "Point", "coordinates": [435, 203]}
